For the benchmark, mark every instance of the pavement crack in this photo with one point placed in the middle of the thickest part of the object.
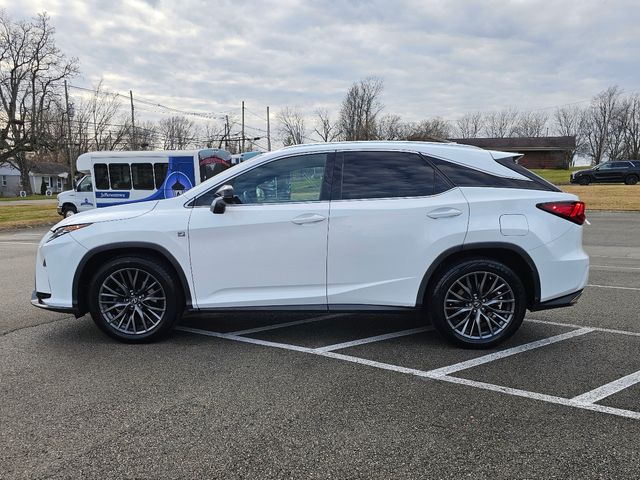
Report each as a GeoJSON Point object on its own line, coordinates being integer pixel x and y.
{"type": "Point", "coordinates": [13, 330]}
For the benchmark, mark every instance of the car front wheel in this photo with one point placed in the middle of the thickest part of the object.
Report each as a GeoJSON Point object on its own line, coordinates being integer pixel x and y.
{"type": "Point", "coordinates": [584, 180]}
{"type": "Point", "coordinates": [135, 299]}
{"type": "Point", "coordinates": [631, 180]}
{"type": "Point", "coordinates": [477, 303]}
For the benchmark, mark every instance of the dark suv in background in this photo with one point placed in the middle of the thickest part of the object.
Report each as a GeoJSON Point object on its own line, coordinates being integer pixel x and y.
{"type": "Point", "coordinates": [627, 171]}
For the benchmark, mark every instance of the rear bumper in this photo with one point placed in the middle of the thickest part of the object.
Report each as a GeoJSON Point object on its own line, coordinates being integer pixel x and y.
{"type": "Point", "coordinates": [564, 301]}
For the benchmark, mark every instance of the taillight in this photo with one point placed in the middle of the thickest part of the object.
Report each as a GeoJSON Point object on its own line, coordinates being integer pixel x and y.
{"type": "Point", "coordinates": [572, 211]}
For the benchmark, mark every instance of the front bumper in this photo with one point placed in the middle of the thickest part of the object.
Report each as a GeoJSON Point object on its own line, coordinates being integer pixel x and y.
{"type": "Point", "coordinates": [59, 210]}
{"type": "Point", "coordinates": [38, 299]}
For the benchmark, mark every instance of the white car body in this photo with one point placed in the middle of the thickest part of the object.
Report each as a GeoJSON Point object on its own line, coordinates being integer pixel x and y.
{"type": "Point", "coordinates": [327, 254]}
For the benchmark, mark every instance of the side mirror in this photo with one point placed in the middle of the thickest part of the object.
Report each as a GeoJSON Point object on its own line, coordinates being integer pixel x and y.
{"type": "Point", "coordinates": [224, 195]}
{"type": "Point", "coordinates": [218, 205]}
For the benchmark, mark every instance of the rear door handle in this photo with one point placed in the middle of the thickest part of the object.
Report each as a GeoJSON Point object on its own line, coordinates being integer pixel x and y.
{"type": "Point", "coordinates": [444, 212]}
{"type": "Point", "coordinates": [308, 218]}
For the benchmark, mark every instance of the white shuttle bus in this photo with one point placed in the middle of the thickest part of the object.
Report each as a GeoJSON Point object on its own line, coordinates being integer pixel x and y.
{"type": "Point", "coordinates": [114, 178]}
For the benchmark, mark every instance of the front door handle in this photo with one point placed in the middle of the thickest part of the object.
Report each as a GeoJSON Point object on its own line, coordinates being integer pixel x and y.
{"type": "Point", "coordinates": [444, 212]}
{"type": "Point", "coordinates": [308, 218]}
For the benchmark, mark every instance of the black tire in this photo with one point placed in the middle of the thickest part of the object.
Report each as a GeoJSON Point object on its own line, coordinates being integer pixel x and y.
{"type": "Point", "coordinates": [443, 303]}
{"type": "Point", "coordinates": [586, 180]}
{"type": "Point", "coordinates": [143, 311]}
{"type": "Point", "coordinates": [68, 210]}
{"type": "Point", "coordinates": [631, 179]}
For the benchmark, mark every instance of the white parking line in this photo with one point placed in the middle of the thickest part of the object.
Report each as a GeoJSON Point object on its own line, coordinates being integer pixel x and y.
{"type": "Point", "coordinates": [287, 324]}
{"type": "Point", "coordinates": [573, 325]}
{"type": "Point", "coordinates": [474, 362]}
{"type": "Point", "coordinates": [612, 286]}
{"type": "Point", "coordinates": [567, 402]}
{"type": "Point", "coordinates": [615, 267]}
{"type": "Point", "coordinates": [604, 391]}
{"type": "Point", "coordinates": [377, 338]}
{"type": "Point", "coordinates": [254, 341]}
{"type": "Point", "coordinates": [11, 242]}
{"type": "Point", "coordinates": [427, 374]}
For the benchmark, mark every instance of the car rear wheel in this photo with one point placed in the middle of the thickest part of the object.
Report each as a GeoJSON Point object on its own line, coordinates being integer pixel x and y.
{"type": "Point", "coordinates": [631, 180]}
{"type": "Point", "coordinates": [135, 299]}
{"type": "Point", "coordinates": [584, 180]}
{"type": "Point", "coordinates": [478, 303]}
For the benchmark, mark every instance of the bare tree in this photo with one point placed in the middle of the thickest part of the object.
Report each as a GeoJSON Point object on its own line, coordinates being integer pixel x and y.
{"type": "Point", "coordinates": [391, 127]}
{"type": "Point", "coordinates": [570, 122]}
{"type": "Point", "coordinates": [32, 68]}
{"type": "Point", "coordinates": [434, 129]}
{"type": "Point", "coordinates": [632, 129]}
{"type": "Point", "coordinates": [325, 128]}
{"type": "Point", "coordinates": [531, 124]}
{"type": "Point", "coordinates": [176, 132]}
{"type": "Point", "coordinates": [291, 126]}
{"type": "Point", "coordinates": [598, 122]}
{"type": "Point", "coordinates": [360, 109]}
{"type": "Point", "coordinates": [146, 135]}
{"type": "Point", "coordinates": [501, 124]}
{"type": "Point", "coordinates": [470, 125]}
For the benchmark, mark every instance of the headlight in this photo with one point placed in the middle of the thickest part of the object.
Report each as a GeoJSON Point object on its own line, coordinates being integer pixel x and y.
{"type": "Point", "coordinates": [58, 232]}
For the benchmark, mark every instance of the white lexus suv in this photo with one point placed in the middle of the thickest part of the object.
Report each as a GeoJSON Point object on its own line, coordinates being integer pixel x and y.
{"type": "Point", "coordinates": [465, 234]}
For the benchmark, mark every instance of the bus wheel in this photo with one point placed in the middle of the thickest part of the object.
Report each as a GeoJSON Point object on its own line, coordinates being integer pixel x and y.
{"type": "Point", "coordinates": [68, 210]}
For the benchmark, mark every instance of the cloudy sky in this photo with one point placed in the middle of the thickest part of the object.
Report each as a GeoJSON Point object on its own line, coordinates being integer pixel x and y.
{"type": "Point", "coordinates": [437, 58]}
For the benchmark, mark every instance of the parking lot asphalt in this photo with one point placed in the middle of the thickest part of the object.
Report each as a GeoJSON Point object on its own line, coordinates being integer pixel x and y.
{"type": "Point", "coordinates": [327, 396]}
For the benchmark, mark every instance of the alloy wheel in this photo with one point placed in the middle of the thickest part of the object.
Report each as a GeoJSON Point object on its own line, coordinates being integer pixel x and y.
{"type": "Point", "coordinates": [479, 305]}
{"type": "Point", "coordinates": [132, 301]}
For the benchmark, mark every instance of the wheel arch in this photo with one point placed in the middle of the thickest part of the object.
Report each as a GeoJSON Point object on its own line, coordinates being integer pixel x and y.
{"type": "Point", "coordinates": [92, 260]}
{"type": "Point", "coordinates": [511, 255]}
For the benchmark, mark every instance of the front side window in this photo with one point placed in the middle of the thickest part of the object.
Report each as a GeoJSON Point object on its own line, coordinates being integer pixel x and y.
{"type": "Point", "coordinates": [85, 185]}
{"type": "Point", "coordinates": [101, 172]}
{"type": "Point", "coordinates": [120, 176]}
{"type": "Point", "coordinates": [142, 176]}
{"type": "Point", "coordinates": [292, 179]}
{"type": "Point", "coordinates": [386, 175]}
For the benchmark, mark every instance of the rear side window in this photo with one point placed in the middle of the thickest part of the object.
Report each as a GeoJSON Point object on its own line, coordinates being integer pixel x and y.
{"type": "Point", "coordinates": [142, 176]}
{"type": "Point", "coordinates": [101, 176]}
{"type": "Point", "coordinates": [469, 177]}
{"type": "Point", "coordinates": [387, 175]}
{"type": "Point", "coordinates": [120, 176]}
{"type": "Point", "coordinates": [160, 173]}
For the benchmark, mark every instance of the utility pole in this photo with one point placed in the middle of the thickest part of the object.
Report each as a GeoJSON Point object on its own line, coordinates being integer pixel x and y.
{"type": "Point", "coordinates": [268, 131]}
{"type": "Point", "coordinates": [133, 123]}
{"type": "Point", "coordinates": [242, 144]}
{"type": "Point", "coordinates": [227, 132]}
{"type": "Point", "coordinates": [71, 169]}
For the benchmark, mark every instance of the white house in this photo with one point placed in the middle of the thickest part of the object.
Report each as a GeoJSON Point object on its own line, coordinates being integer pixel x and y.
{"type": "Point", "coordinates": [55, 176]}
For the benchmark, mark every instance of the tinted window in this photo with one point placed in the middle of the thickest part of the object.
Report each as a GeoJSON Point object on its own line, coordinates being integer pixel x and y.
{"type": "Point", "coordinates": [142, 176]}
{"type": "Point", "coordinates": [160, 173]}
{"type": "Point", "coordinates": [386, 175]}
{"type": "Point", "coordinates": [469, 177]}
{"type": "Point", "coordinates": [120, 176]}
{"type": "Point", "coordinates": [101, 176]}
{"type": "Point", "coordinates": [619, 164]}
{"type": "Point", "coordinates": [292, 179]}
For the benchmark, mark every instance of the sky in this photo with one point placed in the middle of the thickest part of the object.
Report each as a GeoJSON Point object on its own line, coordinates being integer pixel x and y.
{"type": "Point", "coordinates": [436, 58]}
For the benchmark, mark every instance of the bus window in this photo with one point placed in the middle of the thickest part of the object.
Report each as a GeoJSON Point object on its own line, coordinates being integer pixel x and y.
{"type": "Point", "coordinates": [142, 176]}
{"type": "Point", "coordinates": [160, 173]}
{"type": "Point", "coordinates": [120, 176]}
{"type": "Point", "coordinates": [101, 176]}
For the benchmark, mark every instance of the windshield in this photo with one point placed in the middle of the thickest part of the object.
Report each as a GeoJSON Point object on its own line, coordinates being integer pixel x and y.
{"type": "Point", "coordinates": [212, 162]}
